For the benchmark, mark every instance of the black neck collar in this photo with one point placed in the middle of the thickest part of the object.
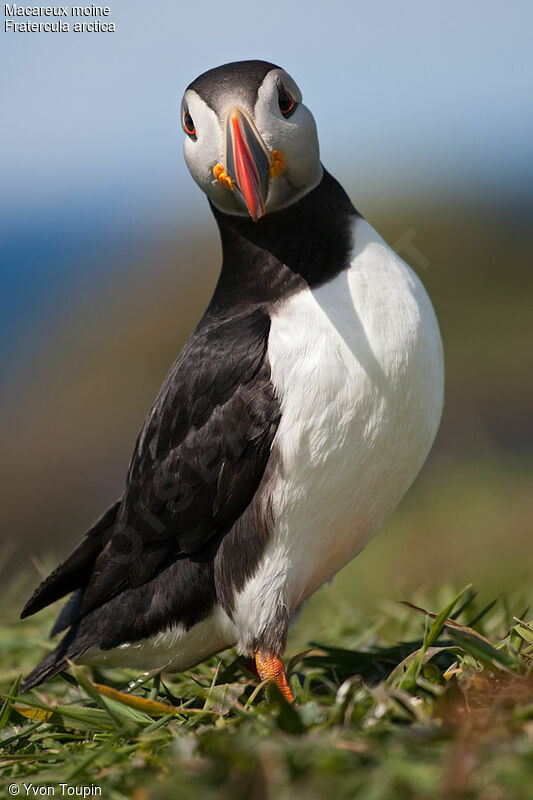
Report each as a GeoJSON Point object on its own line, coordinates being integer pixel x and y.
{"type": "Point", "coordinates": [307, 243]}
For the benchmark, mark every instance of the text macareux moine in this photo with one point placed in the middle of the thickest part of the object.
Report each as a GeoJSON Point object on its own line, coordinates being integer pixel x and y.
{"type": "Point", "coordinates": [59, 25]}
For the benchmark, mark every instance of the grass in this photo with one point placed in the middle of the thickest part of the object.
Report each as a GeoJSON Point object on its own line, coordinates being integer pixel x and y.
{"type": "Point", "coordinates": [406, 705]}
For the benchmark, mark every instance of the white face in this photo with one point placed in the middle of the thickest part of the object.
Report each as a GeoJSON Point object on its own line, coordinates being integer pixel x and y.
{"type": "Point", "coordinates": [281, 121]}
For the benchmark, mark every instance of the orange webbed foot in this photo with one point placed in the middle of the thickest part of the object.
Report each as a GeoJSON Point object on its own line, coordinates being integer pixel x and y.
{"type": "Point", "coordinates": [270, 667]}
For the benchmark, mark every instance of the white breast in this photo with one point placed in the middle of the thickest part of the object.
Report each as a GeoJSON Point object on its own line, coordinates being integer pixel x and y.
{"type": "Point", "coordinates": [358, 367]}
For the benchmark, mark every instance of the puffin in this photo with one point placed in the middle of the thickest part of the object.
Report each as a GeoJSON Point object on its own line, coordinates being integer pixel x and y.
{"type": "Point", "coordinates": [287, 430]}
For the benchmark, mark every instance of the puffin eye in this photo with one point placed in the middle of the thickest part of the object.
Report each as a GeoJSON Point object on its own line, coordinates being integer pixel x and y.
{"type": "Point", "coordinates": [188, 124]}
{"type": "Point", "coordinates": [287, 103]}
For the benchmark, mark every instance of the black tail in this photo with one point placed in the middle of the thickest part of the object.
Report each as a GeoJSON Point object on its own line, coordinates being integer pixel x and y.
{"type": "Point", "coordinates": [52, 664]}
{"type": "Point", "coordinates": [69, 576]}
{"type": "Point", "coordinates": [76, 568]}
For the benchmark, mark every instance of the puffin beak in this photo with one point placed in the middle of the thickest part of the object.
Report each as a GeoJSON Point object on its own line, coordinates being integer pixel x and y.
{"type": "Point", "coordinates": [247, 161]}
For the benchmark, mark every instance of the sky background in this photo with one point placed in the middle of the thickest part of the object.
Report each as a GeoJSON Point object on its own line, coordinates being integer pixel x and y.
{"type": "Point", "coordinates": [410, 99]}
{"type": "Point", "coordinates": [408, 92]}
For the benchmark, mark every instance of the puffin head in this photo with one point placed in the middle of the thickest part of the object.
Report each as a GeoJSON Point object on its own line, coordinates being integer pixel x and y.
{"type": "Point", "coordinates": [251, 144]}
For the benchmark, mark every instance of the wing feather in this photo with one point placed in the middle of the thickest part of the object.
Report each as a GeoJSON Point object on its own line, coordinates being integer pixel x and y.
{"type": "Point", "coordinates": [197, 464]}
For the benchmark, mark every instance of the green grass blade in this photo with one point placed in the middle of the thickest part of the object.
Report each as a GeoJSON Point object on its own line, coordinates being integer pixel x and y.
{"type": "Point", "coordinates": [116, 713]}
{"type": "Point", "coordinates": [413, 670]}
{"type": "Point", "coordinates": [483, 651]}
{"type": "Point", "coordinates": [5, 712]}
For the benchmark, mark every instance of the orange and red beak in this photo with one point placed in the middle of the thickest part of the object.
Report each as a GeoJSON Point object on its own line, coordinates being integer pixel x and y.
{"type": "Point", "coordinates": [247, 161]}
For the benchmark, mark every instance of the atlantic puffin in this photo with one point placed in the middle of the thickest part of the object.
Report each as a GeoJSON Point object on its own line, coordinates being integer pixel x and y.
{"type": "Point", "coordinates": [289, 427]}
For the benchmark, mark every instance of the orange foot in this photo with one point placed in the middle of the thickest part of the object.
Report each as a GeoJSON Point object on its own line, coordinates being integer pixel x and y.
{"type": "Point", "coordinates": [271, 668]}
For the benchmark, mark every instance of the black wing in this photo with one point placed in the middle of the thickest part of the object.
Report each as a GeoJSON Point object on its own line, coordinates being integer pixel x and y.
{"type": "Point", "coordinates": [197, 464]}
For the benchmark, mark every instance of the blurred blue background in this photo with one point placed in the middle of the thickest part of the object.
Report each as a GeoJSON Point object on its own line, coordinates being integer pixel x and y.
{"type": "Point", "coordinates": [109, 254]}
{"type": "Point", "coordinates": [407, 96]}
